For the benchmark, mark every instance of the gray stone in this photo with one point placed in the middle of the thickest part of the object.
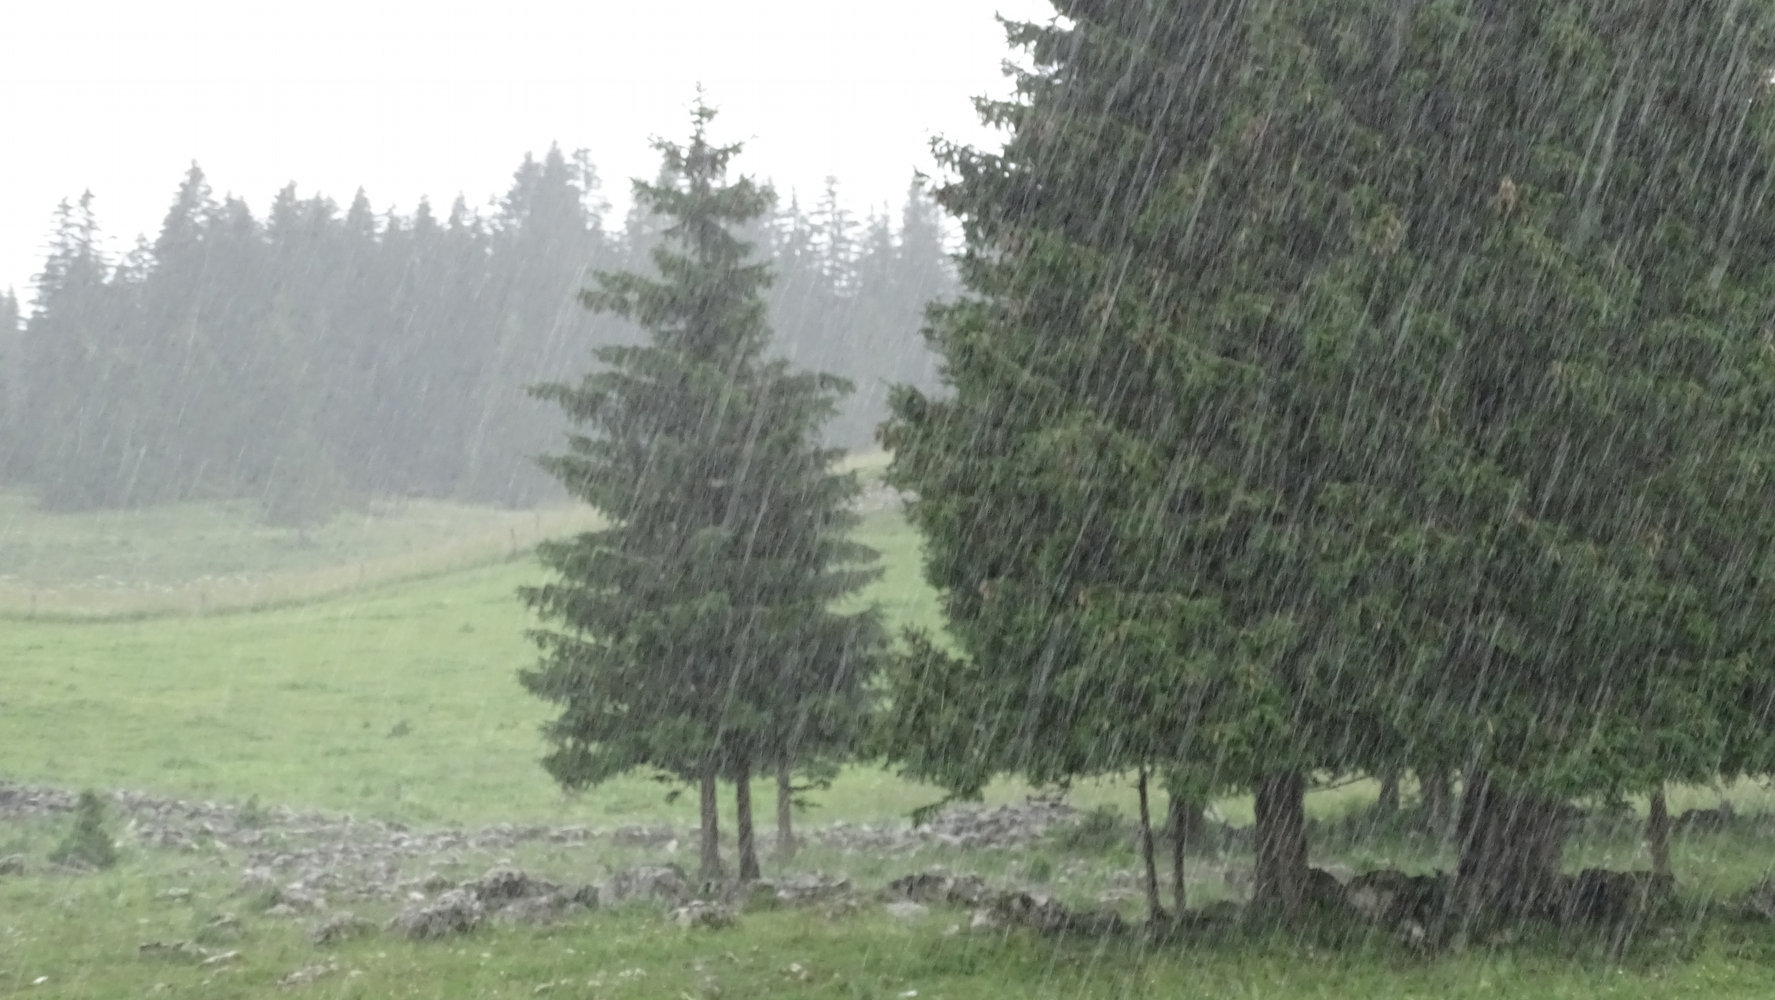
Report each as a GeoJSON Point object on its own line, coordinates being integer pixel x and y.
{"type": "Point", "coordinates": [455, 912]}
{"type": "Point", "coordinates": [339, 927]}
{"type": "Point", "coordinates": [906, 909]}
{"type": "Point", "coordinates": [712, 916]}
{"type": "Point", "coordinates": [666, 883]}
{"type": "Point", "coordinates": [539, 910]}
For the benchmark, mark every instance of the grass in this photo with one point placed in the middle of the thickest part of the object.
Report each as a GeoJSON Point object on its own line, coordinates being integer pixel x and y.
{"type": "Point", "coordinates": [191, 559]}
{"type": "Point", "coordinates": [400, 701]}
{"type": "Point", "coordinates": [81, 937]}
{"type": "Point", "coordinates": [200, 558]}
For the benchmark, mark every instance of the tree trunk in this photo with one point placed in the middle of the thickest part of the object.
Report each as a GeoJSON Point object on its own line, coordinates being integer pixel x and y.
{"type": "Point", "coordinates": [1658, 831]}
{"type": "Point", "coordinates": [1281, 834]}
{"type": "Point", "coordinates": [711, 816]}
{"type": "Point", "coordinates": [785, 812]}
{"type": "Point", "coordinates": [1388, 802]}
{"type": "Point", "coordinates": [1154, 912]}
{"type": "Point", "coordinates": [748, 845]}
{"type": "Point", "coordinates": [1437, 792]}
{"type": "Point", "coordinates": [1512, 846]}
{"type": "Point", "coordinates": [1185, 824]}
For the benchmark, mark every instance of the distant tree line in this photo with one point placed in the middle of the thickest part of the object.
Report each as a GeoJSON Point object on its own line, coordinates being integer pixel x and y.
{"type": "Point", "coordinates": [322, 355]}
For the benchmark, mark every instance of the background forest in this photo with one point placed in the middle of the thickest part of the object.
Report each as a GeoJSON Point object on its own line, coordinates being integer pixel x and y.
{"type": "Point", "coordinates": [320, 356]}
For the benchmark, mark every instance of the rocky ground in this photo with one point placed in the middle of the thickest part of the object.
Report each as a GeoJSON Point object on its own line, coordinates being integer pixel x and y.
{"type": "Point", "coordinates": [318, 868]}
{"type": "Point", "coordinates": [312, 864]}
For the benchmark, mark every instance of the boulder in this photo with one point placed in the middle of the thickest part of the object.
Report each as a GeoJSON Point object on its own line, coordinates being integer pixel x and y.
{"type": "Point", "coordinates": [940, 887]}
{"type": "Point", "coordinates": [339, 927]}
{"type": "Point", "coordinates": [666, 883]}
{"type": "Point", "coordinates": [906, 909]}
{"type": "Point", "coordinates": [540, 910]}
{"type": "Point", "coordinates": [711, 916]}
{"type": "Point", "coordinates": [1707, 820]}
{"type": "Point", "coordinates": [1389, 898]}
{"type": "Point", "coordinates": [1597, 895]}
{"type": "Point", "coordinates": [502, 884]}
{"type": "Point", "coordinates": [454, 912]}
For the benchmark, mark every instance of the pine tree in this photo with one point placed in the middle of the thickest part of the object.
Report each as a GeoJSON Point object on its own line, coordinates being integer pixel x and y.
{"type": "Point", "coordinates": [11, 390]}
{"type": "Point", "coordinates": [695, 634]}
{"type": "Point", "coordinates": [1371, 386]}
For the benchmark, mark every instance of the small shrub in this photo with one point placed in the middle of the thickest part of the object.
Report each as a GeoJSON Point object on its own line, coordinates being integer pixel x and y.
{"type": "Point", "coordinates": [251, 814]}
{"type": "Point", "coordinates": [87, 844]}
{"type": "Point", "coordinates": [1039, 869]}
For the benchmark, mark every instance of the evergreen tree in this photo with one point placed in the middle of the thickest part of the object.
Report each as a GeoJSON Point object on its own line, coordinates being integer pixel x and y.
{"type": "Point", "coordinates": [11, 389]}
{"type": "Point", "coordinates": [695, 635]}
{"type": "Point", "coordinates": [1357, 408]}
{"type": "Point", "coordinates": [68, 357]}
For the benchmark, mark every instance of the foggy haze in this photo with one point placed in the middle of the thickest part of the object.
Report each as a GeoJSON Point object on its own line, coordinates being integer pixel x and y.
{"type": "Point", "coordinates": [442, 99]}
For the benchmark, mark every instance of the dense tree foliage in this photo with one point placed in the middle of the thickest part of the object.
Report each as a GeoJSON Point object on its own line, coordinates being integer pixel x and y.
{"type": "Point", "coordinates": [696, 634]}
{"type": "Point", "coordinates": [1373, 385]}
{"type": "Point", "coordinates": [319, 355]}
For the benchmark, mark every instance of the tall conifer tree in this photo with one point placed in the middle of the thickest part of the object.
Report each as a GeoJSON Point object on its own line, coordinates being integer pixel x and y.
{"type": "Point", "coordinates": [694, 635]}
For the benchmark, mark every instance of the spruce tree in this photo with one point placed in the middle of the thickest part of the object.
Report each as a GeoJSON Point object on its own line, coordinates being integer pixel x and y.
{"type": "Point", "coordinates": [1371, 385]}
{"type": "Point", "coordinates": [695, 635]}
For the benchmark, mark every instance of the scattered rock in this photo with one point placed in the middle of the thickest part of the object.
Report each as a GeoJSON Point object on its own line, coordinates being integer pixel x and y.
{"type": "Point", "coordinates": [454, 912]}
{"type": "Point", "coordinates": [308, 974]}
{"type": "Point", "coordinates": [176, 895]}
{"type": "Point", "coordinates": [1324, 890]}
{"type": "Point", "coordinates": [642, 836]}
{"type": "Point", "coordinates": [1760, 900]}
{"type": "Point", "coordinates": [1391, 898]}
{"type": "Point", "coordinates": [666, 883]}
{"type": "Point", "coordinates": [540, 910]}
{"type": "Point", "coordinates": [181, 950]}
{"type": "Point", "coordinates": [502, 884]}
{"type": "Point", "coordinates": [297, 898]}
{"type": "Point", "coordinates": [700, 913]}
{"type": "Point", "coordinates": [1049, 916]}
{"type": "Point", "coordinates": [1597, 895]}
{"type": "Point", "coordinates": [1707, 820]}
{"type": "Point", "coordinates": [813, 887]}
{"type": "Point", "coordinates": [906, 909]}
{"type": "Point", "coordinates": [983, 920]}
{"type": "Point", "coordinates": [339, 927]}
{"type": "Point", "coordinates": [940, 887]}
{"type": "Point", "coordinates": [225, 926]}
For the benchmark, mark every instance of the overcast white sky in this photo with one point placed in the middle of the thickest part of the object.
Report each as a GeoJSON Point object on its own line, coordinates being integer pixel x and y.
{"type": "Point", "coordinates": [443, 97]}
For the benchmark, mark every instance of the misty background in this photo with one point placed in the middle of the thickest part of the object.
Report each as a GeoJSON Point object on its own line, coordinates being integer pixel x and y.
{"type": "Point", "coordinates": [327, 353]}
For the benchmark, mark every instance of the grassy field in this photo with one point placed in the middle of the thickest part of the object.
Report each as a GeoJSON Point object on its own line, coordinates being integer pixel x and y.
{"type": "Point", "coordinates": [204, 558]}
{"type": "Point", "coordinates": [84, 937]}
{"type": "Point", "coordinates": [399, 700]}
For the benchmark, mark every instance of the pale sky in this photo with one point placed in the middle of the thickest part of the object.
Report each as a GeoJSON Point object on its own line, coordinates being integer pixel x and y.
{"type": "Point", "coordinates": [444, 97]}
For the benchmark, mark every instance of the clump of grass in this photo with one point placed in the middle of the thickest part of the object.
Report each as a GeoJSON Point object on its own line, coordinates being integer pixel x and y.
{"type": "Point", "coordinates": [88, 843]}
{"type": "Point", "coordinates": [251, 814]}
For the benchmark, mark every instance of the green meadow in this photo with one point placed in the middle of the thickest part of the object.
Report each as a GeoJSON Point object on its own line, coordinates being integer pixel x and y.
{"type": "Point", "coordinates": [370, 669]}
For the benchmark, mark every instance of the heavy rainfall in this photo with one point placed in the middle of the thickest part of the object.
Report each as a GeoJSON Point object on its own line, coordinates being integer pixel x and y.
{"type": "Point", "coordinates": [1277, 502]}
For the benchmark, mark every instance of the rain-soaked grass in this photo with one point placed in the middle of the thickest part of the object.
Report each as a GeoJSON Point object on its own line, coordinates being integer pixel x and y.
{"type": "Point", "coordinates": [400, 701]}
{"type": "Point", "coordinates": [197, 558]}
{"type": "Point", "coordinates": [118, 934]}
